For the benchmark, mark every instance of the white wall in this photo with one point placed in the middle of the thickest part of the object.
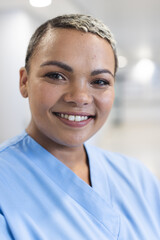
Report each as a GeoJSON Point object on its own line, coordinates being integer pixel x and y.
{"type": "Point", "coordinates": [16, 29]}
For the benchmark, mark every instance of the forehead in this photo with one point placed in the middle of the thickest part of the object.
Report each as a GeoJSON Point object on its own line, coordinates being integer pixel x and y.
{"type": "Point", "coordinates": [72, 44]}
{"type": "Point", "coordinates": [60, 36]}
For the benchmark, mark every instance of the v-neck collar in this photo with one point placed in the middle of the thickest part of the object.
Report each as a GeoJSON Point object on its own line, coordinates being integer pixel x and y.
{"type": "Point", "coordinates": [95, 199]}
{"type": "Point", "coordinates": [98, 174]}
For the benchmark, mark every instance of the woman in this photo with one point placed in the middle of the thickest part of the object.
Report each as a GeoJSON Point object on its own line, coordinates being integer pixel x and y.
{"type": "Point", "coordinates": [52, 184]}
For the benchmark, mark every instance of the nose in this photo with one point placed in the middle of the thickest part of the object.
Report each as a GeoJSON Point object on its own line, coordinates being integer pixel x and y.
{"type": "Point", "coordinates": [78, 95]}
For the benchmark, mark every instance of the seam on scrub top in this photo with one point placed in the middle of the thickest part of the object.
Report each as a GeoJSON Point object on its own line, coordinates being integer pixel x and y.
{"type": "Point", "coordinates": [120, 223]}
{"type": "Point", "coordinates": [13, 144]}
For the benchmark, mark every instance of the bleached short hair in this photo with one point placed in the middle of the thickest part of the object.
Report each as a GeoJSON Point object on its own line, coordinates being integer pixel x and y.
{"type": "Point", "coordinates": [79, 22]}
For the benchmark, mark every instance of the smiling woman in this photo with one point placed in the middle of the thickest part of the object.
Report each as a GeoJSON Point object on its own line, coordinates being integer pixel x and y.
{"type": "Point", "coordinates": [51, 182]}
{"type": "Point", "coordinates": [67, 78]}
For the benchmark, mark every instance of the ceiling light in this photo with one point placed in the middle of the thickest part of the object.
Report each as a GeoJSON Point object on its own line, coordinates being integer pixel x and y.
{"type": "Point", "coordinates": [40, 3]}
{"type": "Point", "coordinates": [144, 52]}
{"type": "Point", "coordinates": [144, 69]}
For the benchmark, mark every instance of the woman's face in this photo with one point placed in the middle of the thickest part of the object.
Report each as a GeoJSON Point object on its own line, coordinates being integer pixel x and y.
{"type": "Point", "coordinates": [70, 87]}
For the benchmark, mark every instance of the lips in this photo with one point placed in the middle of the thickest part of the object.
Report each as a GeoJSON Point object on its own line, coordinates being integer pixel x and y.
{"type": "Point", "coordinates": [74, 119]}
{"type": "Point", "coordinates": [71, 117]}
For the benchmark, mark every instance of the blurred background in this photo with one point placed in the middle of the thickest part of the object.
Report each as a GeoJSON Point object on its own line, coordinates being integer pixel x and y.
{"type": "Point", "coordinates": [133, 127]}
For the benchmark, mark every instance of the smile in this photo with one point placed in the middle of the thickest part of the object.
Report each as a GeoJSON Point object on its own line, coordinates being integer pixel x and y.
{"type": "Point", "coordinates": [73, 118]}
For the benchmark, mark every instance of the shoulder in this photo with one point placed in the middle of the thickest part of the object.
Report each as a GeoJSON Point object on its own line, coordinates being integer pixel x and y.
{"type": "Point", "coordinates": [114, 160]}
{"type": "Point", "coordinates": [12, 142]}
{"type": "Point", "coordinates": [126, 170]}
{"type": "Point", "coordinates": [12, 160]}
{"type": "Point", "coordinates": [117, 161]}
{"type": "Point", "coordinates": [11, 150]}
{"type": "Point", "coordinates": [129, 180]}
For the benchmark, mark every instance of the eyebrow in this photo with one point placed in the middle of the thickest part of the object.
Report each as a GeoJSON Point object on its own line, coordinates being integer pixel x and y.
{"type": "Point", "coordinates": [99, 71]}
{"type": "Point", "coordinates": [58, 64]}
{"type": "Point", "coordinates": [69, 69]}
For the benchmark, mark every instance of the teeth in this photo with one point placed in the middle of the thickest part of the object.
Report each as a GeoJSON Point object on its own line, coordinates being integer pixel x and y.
{"type": "Point", "coordinates": [73, 118]}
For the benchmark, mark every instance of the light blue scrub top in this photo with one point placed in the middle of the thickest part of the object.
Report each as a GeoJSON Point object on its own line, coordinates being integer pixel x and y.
{"type": "Point", "coordinates": [42, 199]}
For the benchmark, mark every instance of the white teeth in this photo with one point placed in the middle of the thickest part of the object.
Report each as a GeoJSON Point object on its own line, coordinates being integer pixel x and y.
{"type": "Point", "coordinates": [78, 118]}
{"type": "Point", "coordinates": [73, 118]}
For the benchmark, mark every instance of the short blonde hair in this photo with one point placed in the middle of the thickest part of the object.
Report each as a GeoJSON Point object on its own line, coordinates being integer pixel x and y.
{"type": "Point", "coordinates": [72, 21]}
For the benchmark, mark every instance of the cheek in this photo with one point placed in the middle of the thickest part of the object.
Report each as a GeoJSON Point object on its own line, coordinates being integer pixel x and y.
{"type": "Point", "coordinates": [104, 104]}
{"type": "Point", "coordinates": [44, 96]}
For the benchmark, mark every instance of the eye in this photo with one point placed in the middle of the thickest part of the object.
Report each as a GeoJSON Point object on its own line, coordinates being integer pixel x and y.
{"type": "Point", "coordinates": [101, 82]}
{"type": "Point", "coordinates": [54, 75]}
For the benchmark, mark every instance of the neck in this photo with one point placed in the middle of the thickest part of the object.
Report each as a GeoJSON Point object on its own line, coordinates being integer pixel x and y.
{"type": "Point", "coordinates": [74, 158]}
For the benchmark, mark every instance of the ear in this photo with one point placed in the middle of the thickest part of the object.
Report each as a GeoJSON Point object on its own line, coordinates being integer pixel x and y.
{"type": "Point", "coordinates": [23, 83]}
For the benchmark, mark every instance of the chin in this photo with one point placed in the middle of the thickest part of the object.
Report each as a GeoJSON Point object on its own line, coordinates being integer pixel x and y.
{"type": "Point", "coordinates": [71, 141]}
